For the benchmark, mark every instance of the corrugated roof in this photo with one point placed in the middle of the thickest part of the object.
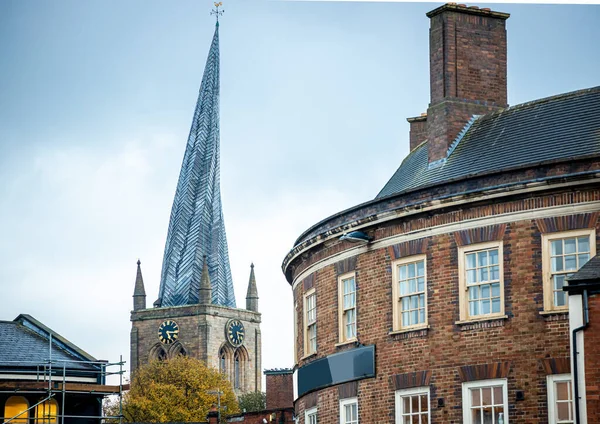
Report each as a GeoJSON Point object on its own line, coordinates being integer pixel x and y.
{"type": "Point", "coordinates": [557, 128]}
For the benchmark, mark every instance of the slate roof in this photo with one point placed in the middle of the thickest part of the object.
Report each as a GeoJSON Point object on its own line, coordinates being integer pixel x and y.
{"type": "Point", "coordinates": [26, 346]}
{"type": "Point", "coordinates": [588, 273]}
{"type": "Point", "coordinates": [552, 129]}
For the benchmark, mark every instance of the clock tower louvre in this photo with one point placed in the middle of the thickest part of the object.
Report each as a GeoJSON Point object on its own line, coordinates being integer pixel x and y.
{"type": "Point", "coordinates": [195, 313]}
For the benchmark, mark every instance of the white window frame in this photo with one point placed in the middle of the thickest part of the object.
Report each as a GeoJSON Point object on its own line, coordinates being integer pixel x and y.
{"type": "Point", "coordinates": [550, 380]}
{"type": "Point", "coordinates": [397, 306]}
{"type": "Point", "coordinates": [308, 413]}
{"type": "Point", "coordinates": [411, 392]}
{"type": "Point", "coordinates": [466, 398]}
{"type": "Point", "coordinates": [343, 404]}
{"type": "Point", "coordinates": [462, 279]}
{"type": "Point", "coordinates": [342, 312]}
{"type": "Point", "coordinates": [307, 349]}
{"type": "Point", "coordinates": [547, 238]}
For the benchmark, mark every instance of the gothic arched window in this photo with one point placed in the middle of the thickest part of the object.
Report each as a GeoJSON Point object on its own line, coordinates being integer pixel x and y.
{"type": "Point", "coordinates": [236, 372]}
{"type": "Point", "coordinates": [240, 360]}
{"type": "Point", "coordinates": [157, 352]}
{"type": "Point", "coordinates": [177, 350]}
{"type": "Point", "coordinates": [223, 363]}
{"type": "Point", "coordinates": [225, 354]}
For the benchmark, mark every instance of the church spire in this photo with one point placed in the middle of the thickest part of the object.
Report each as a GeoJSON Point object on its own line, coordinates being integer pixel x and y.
{"type": "Point", "coordinates": [252, 293]}
{"type": "Point", "coordinates": [196, 227]}
{"type": "Point", "coordinates": [139, 293]}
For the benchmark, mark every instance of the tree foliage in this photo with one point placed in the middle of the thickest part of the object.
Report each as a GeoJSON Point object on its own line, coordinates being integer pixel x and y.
{"type": "Point", "coordinates": [176, 390]}
{"type": "Point", "coordinates": [253, 401]}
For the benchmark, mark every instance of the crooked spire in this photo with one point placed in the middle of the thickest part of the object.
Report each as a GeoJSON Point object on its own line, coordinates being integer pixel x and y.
{"type": "Point", "coordinates": [139, 292]}
{"type": "Point", "coordinates": [252, 293]}
{"type": "Point", "coordinates": [196, 227]}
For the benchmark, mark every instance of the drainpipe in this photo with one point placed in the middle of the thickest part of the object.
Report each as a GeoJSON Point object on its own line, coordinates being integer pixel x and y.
{"type": "Point", "coordinates": [586, 322]}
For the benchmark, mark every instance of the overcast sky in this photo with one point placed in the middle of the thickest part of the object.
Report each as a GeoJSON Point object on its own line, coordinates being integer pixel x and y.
{"type": "Point", "coordinates": [96, 101]}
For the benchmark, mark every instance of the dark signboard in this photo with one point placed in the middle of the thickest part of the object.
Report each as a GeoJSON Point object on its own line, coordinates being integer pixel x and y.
{"type": "Point", "coordinates": [350, 365]}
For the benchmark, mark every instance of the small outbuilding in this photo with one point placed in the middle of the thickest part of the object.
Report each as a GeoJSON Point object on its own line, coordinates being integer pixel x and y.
{"type": "Point", "coordinates": [46, 379]}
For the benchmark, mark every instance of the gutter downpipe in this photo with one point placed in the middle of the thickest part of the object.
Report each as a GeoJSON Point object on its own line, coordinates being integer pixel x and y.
{"type": "Point", "coordinates": [586, 322]}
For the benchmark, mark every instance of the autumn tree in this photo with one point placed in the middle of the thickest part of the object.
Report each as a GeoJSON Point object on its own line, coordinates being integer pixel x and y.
{"type": "Point", "coordinates": [176, 390]}
{"type": "Point", "coordinates": [253, 401]}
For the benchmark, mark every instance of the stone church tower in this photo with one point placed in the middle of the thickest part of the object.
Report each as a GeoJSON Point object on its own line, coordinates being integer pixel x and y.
{"type": "Point", "coordinates": [195, 313]}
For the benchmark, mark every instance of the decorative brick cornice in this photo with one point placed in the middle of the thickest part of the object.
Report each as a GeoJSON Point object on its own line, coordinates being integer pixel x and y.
{"type": "Point", "coordinates": [411, 379]}
{"type": "Point", "coordinates": [348, 390]}
{"type": "Point", "coordinates": [309, 282]}
{"type": "Point", "coordinates": [408, 248]}
{"type": "Point", "coordinates": [480, 235]}
{"type": "Point", "coordinates": [346, 265]}
{"type": "Point", "coordinates": [556, 365]}
{"type": "Point", "coordinates": [566, 223]}
{"type": "Point", "coordinates": [484, 371]}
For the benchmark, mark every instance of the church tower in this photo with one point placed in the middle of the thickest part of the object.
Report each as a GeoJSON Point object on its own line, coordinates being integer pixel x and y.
{"type": "Point", "coordinates": [195, 313]}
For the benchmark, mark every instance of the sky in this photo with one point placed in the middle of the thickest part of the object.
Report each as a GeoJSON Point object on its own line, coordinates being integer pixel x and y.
{"type": "Point", "coordinates": [96, 101]}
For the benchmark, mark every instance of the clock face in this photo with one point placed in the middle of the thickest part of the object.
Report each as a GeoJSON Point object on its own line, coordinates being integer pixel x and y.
{"type": "Point", "coordinates": [168, 332]}
{"type": "Point", "coordinates": [234, 332]}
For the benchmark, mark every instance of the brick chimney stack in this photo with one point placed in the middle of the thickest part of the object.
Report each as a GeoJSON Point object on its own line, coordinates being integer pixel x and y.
{"type": "Point", "coordinates": [418, 130]}
{"type": "Point", "coordinates": [467, 58]}
{"type": "Point", "coordinates": [280, 388]}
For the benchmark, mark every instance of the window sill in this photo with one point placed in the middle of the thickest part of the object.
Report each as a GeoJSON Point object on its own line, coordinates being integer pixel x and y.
{"type": "Point", "coordinates": [309, 356]}
{"type": "Point", "coordinates": [346, 342]}
{"type": "Point", "coordinates": [408, 330]}
{"type": "Point", "coordinates": [482, 319]}
{"type": "Point", "coordinates": [554, 312]}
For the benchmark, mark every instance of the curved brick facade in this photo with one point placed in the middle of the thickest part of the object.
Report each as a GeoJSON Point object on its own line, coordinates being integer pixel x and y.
{"type": "Point", "coordinates": [456, 280]}
{"type": "Point", "coordinates": [521, 346]}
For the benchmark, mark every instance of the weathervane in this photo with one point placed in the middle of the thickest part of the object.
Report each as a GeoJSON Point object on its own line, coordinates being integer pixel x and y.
{"type": "Point", "coordinates": [216, 11]}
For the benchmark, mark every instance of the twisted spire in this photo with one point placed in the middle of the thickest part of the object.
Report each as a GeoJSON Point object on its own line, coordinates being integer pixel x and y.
{"type": "Point", "coordinates": [196, 227]}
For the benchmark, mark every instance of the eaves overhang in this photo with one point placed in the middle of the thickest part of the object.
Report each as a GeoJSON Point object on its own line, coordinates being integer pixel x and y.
{"type": "Point", "coordinates": [306, 241]}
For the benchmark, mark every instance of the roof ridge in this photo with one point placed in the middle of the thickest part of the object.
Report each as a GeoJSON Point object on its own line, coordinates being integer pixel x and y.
{"type": "Point", "coordinates": [60, 342]}
{"type": "Point", "coordinates": [44, 339]}
{"type": "Point", "coordinates": [548, 99]}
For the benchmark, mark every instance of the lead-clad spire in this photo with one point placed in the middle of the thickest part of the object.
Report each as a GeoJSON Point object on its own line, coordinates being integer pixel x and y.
{"type": "Point", "coordinates": [196, 227]}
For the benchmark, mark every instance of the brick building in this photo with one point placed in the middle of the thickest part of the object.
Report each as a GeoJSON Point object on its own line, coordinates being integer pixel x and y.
{"type": "Point", "coordinates": [441, 299]}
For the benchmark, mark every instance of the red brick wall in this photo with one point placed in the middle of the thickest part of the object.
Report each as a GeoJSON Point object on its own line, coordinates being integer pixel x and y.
{"type": "Point", "coordinates": [418, 131]}
{"type": "Point", "coordinates": [281, 416]}
{"type": "Point", "coordinates": [280, 391]}
{"type": "Point", "coordinates": [525, 339]}
{"type": "Point", "coordinates": [592, 361]}
{"type": "Point", "coordinates": [467, 55]}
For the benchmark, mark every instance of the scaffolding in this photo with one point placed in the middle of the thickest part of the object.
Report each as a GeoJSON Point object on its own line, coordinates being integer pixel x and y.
{"type": "Point", "coordinates": [54, 377]}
